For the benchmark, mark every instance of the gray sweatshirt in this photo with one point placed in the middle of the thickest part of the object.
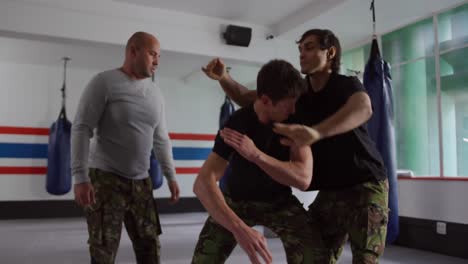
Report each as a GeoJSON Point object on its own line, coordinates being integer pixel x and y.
{"type": "Point", "coordinates": [128, 119]}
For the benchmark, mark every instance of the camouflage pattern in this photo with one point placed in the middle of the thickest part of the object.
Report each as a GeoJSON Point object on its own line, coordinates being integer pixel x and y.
{"type": "Point", "coordinates": [286, 217]}
{"type": "Point", "coordinates": [359, 214]}
{"type": "Point", "coordinates": [122, 200]}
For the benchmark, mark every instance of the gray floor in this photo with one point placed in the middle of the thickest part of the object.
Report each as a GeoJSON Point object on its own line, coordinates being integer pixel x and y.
{"type": "Point", "coordinates": [59, 241]}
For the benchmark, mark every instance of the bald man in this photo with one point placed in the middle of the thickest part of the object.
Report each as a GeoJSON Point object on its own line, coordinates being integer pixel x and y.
{"type": "Point", "coordinates": [126, 112]}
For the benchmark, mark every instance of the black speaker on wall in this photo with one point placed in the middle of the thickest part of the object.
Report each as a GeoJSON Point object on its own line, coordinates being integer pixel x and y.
{"type": "Point", "coordinates": [237, 35]}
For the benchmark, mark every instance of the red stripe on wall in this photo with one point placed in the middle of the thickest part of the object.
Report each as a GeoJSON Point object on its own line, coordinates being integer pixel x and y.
{"type": "Point", "coordinates": [45, 131]}
{"type": "Point", "coordinates": [23, 170]}
{"type": "Point", "coordinates": [187, 170]}
{"type": "Point", "coordinates": [24, 130]}
{"type": "Point", "coordinates": [190, 136]}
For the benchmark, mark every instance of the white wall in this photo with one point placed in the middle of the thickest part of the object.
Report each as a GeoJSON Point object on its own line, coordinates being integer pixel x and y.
{"type": "Point", "coordinates": [31, 73]}
{"type": "Point", "coordinates": [434, 200]}
{"type": "Point", "coordinates": [112, 22]}
{"type": "Point", "coordinates": [31, 78]}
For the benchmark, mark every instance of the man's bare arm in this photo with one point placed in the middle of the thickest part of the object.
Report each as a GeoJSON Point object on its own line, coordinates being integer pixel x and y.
{"type": "Point", "coordinates": [297, 172]}
{"type": "Point", "coordinates": [206, 189]}
{"type": "Point", "coordinates": [355, 112]}
{"type": "Point", "coordinates": [216, 70]}
{"type": "Point", "coordinates": [237, 92]}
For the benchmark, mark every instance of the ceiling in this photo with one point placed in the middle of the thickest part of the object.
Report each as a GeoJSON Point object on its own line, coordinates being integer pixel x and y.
{"type": "Point", "coordinates": [184, 67]}
{"type": "Point", "coordinates": [287, 20]}
{"type": "Point", "coordinates": [349, 19]}
{"type": "Point", "coordinates": [259, 12]}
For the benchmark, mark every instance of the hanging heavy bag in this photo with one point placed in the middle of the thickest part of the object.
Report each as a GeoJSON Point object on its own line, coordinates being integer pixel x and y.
{"type": "Point", "coordinates": [155, 172]}
{"type": "Point", "coordinates": [227, 109]}
{"type": "Point", "coordinates": [378, 82]}
{"type": "Point", "coordinates": [58, 179]}
{"type": "Point", "coordinates": [155, 169]}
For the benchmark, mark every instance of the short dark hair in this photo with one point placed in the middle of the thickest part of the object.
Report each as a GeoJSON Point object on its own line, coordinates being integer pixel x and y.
{"type": "Point", "coordinates": [326, 40]}
{"type": "Point", "coordinates": [278, 80]}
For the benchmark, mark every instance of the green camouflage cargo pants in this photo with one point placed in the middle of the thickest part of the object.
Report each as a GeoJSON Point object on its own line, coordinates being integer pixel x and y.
{"type": "Point", "coordinates": [122, 200]}
{"type": "Point", "coordinates": [359, 214]}
{"type": "Point", "coordinates": [287, 218]}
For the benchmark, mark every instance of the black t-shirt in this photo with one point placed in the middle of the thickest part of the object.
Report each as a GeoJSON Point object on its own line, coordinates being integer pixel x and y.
{"type": "Point", "coordinates": [346, 159]}
{"type": "Point", "coordinates": [244, 179]}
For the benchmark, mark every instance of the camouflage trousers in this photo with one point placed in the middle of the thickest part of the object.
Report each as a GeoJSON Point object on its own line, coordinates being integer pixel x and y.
{"type": "Point", "coordinates": [122, 200]}
{"type": "Point", "coordinates": [359, 214]}
{"type": "Point", "coordinates": [287, 218]}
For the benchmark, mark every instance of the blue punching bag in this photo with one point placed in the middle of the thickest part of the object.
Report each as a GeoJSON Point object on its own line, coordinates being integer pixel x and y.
{"type": "Point", "coordinates": [155, 172]}
{"type": "Point", "coordinates": [377, 80]}
{"type": "Point", "coordinates": [58, 179]}
{"type": "Point", "coordinates": [155, 169]}
{"type": "Point", "coordinates": [226, 111]}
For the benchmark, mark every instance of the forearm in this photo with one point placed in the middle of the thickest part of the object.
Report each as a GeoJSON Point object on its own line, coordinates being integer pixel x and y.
{"type": "Point", "coordinates": [164, 155]}
{"type": "Point", "coordinates": [290, 173]}
{"type": "Point", "coordinates": [237, 92]}
{"type": "Point", "coordinates": [162, 145]}
{"type": "Point", "coordinates": [80, 137]}
{"type": "Point", "coordinates": [353, 114]}
{"type": "Point", "coordinates": [213, 200]}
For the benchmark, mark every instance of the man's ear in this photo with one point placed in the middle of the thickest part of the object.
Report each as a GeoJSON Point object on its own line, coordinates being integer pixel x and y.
{"type": "Point", "coordinates": [331, 53]}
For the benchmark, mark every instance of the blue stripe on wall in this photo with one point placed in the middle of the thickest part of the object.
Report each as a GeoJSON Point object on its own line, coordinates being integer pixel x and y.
{"type": "Point", "coordinates": [39, 151]}
{"type": "Point", "coordinates": [20, 150]}
{"type": "Point", "coordinates": [191, 153]}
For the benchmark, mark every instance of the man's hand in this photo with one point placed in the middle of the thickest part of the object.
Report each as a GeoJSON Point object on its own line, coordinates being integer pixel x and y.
{"type": "Point", "coordinates": [84, 194]}
{"type": "Point", "coordinates": [253, 243]}
{"type": "Point", "coordinates": [295, 134]}
{"type": "Point", "coordinates": [174, 188]}
{"type": "Point", "coordinates": [241, 143]}
{"type": "Point", "coordinates": [215, 69]}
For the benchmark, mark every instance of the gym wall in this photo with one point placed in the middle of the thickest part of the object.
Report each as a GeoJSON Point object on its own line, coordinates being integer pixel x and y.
{"type": "Point", "coordinates": [32, 74]}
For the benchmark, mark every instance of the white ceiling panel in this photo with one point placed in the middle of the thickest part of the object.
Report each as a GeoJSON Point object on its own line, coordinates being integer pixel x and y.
{"type": "Point", "coordinates": [260, 12]}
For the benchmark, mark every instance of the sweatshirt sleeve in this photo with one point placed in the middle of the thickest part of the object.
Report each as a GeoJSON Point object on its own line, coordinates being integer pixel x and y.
{"type": "Point", "coordinates": [90, 109]}
{"type": "Point", "coordinates": [162, 146]}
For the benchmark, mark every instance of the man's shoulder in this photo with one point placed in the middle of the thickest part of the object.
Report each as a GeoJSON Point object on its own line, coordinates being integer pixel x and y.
{"type": "Point", "coordinates": [244, 111]}
{"type": "Point", "coordinates": [242, 114]}
{"type": "Point", "coordinates": [241, 119]}
{"type": "Point", "coordinates": [108, 74]}
{"type": "Point", "coordinates": [345, 85]}
{"type": "Point", "coordinates": [342, 78]}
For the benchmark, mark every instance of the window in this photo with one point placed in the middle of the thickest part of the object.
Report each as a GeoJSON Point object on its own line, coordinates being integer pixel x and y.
{"type": "Point", "coordinates": [354, 61]}
{"type": "Point", "coordinates": [453, 46]}
{"type": "Point", "coordinates": [420, 61]}
{"type": "Point", "coordinates": [410, 51]}
{"type": "Point", "coordinates": [416, 123]}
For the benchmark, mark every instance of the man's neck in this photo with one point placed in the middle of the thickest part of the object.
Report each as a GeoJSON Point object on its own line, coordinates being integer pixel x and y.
{"type": "Point", "coordinates": [127, 70]}
{"type": "Point", "coordinates": [260, 112]}
{"type": "Point", "coordinates": [318, 80]}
